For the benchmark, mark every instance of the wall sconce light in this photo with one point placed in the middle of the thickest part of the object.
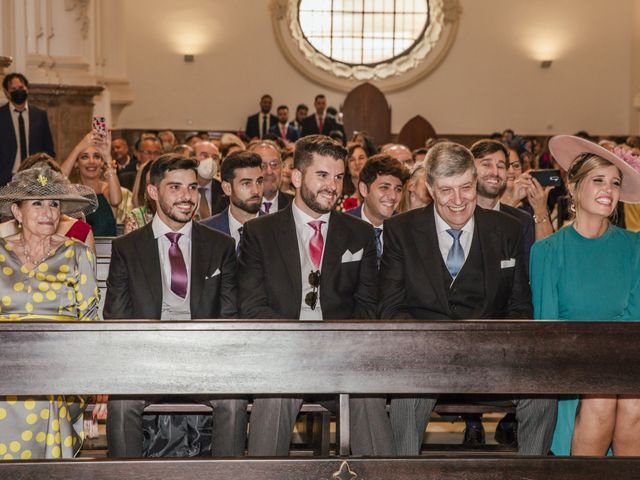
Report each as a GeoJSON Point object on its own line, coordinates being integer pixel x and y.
{"type": "Point", "coordinates": [189, 58]}
{"type": "Point", "coordinates": [546, 64]}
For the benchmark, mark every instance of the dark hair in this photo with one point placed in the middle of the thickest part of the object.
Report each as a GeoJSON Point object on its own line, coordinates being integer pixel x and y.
{"type": "Point", "coordinates": [332, 111]}
{"type": "Point", "coordinates": [301, 106]}
{"type": "Point", "coordinates": [266, 95]}
{"type": "Point", "coordinates": [36, 158]}
{"type": "Point", "coordinates": [382, 164]}
{"type": "Point", "coordinates": [307, 146]}
{"type": "Point", "coordinates": [144, 139]}
{"type": "Point", "coordinates": [487, 146]}
{"type": "Point", "coordinates": [10, 76]}
{"type": "Point", "coordinates": [419, 151]}
{"type": "Point", "coordinates": [238, 160]}
{"type": "Point", "coordinates": [168, 163]}
{"type": "Point", "coordinates": [318, 97]}
{"type": "Point", "coordinates": [281, 107]}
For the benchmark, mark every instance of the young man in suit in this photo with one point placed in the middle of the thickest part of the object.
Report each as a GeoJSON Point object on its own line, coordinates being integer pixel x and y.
{"type": "Point", "coordinates": [309, 262]}
{"type": "Point", "coordinates": [24, 129]}
{"type": "Point", "coordinates": [380, 185]}
{"type": "Point", "coordinates": [259, 124]}
{"type": "Point", "coordinates": [173, 269]}
{"type": "Point", "coordinates": [273, 199]}
{"type": "Point", "coordinates": [241, 175]}
{"type": "Point", "coordinates": [453, 261]}
{"type": "Point", "coordinates": [319, 122]}
{"type": "Point", "coordinates": [283, 129]}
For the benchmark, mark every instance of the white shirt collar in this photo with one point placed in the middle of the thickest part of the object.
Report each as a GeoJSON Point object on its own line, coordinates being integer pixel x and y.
{"type": "Point", "coordinates": [366, 219]}
{"type": "Point", "coordinates": [160, 228]}
{"type": "Point", "coordinates": [15, 109]}
{"type": "Point", "coordinates": [234, 223]}
{"type": "Point", "coordinates": [302, 218]}
{"type": "Point", "coordinates": [442, 226]}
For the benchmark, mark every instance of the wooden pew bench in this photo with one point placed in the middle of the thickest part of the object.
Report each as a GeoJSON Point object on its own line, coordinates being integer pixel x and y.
{"type": "Point", "coordinates": [136, 358]}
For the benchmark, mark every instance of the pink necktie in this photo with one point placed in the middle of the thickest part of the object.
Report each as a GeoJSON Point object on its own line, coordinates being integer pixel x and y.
{"type": "Point", "coordinates": [316, 244]}
{"type": "Point", "coordinates": [179, 278]}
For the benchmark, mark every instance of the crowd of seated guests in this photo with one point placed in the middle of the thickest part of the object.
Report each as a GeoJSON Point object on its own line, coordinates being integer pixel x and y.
{"type": "Point", "coordinates": [283, 188]}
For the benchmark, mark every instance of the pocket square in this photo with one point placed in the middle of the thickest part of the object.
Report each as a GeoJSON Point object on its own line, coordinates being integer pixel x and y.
{"type": "Point", "coordinates": [217, 272]}
{"type": "Point", "coordinates": [347, 256]}
{"type": "Point", "coordinates": [508, 263]}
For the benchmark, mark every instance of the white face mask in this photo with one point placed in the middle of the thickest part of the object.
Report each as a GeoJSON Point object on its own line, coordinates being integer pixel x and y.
{"type": "Point", "coordinates": [207, 168]}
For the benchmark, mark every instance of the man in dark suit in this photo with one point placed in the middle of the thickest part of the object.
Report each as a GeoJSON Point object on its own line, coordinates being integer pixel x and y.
{"type": "Point", "coordinates": [310, 262]}
{"type": "Point", "coordinates": [451, 261]}
{"type": "Point", "coordinates": [319, 122]}
{"type": "Point", "coordinates": [212, 198]}
{"type": "Point", "coordinates": [301, 113]}
{"type": "Point", "coordinates": [173, 269]}
{"type": "Point", "coordinates": [259, 124]}
{"type": "Point", "coordinates": [241, 175]}
{"type": "Point", "coordinates": [272, 198]}
{"type": "Point", "coordinates": [380, 185]}
{"type": "Point", "coordinates": [24, 129]}
{"type": "Point", "coordinates": [283, 129]}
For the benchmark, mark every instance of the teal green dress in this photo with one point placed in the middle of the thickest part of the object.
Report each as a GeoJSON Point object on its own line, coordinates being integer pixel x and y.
{"type": "Point", "coordinates": [577, 278]}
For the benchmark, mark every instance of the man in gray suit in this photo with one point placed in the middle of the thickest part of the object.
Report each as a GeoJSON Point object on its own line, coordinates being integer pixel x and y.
{"type": "Point", "coordinates": [453, 261]}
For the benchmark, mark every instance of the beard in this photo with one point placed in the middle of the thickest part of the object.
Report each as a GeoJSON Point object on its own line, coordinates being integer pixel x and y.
{"type": "Point", "coordinates": [492, 193]}
{"type": "Point", "coordinates": [176, 215]}
{"type": "Point", "coordinates": [311, 199]}
{"type": "Point", "coordinates": [246, 206]}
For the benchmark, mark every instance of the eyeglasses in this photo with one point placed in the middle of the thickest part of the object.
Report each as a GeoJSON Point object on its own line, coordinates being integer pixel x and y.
{"type": "Point", "coordinates": [311, 298]}
{"type": "Point", "coordinates": [274, 164]}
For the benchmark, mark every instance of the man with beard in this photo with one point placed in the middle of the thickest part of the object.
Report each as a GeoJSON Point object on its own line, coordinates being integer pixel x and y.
{"type": "Point", "coordinates": [272, 198]}
{"type": "Point", "coordinates": [453, 261]}
{"type": "Point", "coordinates": [259, 124]}
{"type": "Point", "coordinates": [173, 269]}
{"type": "Point", "coordinates": [24, 129]}
{"type": "Point", "coordinates": [309, 262]}
{"type": "Point", "coordinates": [241, 174]}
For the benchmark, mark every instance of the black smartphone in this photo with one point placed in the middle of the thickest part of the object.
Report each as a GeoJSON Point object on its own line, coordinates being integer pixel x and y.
{"type": "Point", "coordinates": [547, 178]}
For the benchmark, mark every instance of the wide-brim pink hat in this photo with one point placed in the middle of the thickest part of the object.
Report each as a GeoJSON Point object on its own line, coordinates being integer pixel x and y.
{"type": "Point", "coordinates": [566, 148]}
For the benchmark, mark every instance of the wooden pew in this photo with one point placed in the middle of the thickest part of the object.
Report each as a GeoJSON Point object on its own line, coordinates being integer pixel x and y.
{"type": "Point", "coordinates": [133, 358]}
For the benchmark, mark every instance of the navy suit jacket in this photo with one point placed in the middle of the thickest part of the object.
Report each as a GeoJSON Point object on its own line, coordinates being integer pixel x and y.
{"type": "Point", "coordinates": [528, 230]}
{"type": "Point", "coordinates": [40, 139]}
{"type": "Point", "coordinates": [292, 132]}
{"type": "Point", "coordinates": [220, 221]}
{"type": "Point", "coordinates": [253, 125]}
{"type": "Point", "coordinates": [356, 212]}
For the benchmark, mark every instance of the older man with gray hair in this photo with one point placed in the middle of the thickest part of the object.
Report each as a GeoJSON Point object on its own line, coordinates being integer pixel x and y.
{"type": "Point", "coordinates": [453, 261]}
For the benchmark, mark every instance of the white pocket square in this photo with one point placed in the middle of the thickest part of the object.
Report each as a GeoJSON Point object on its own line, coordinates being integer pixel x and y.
{"type": "Point", "coordinates": [217, 272]}
{"type": "Point", "coordinates": [352, 257]}
{"type": "Point", "coordinates": [508, 263]}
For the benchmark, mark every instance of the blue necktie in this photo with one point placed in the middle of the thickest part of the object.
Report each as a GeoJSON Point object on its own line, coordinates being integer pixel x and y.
{"type": "Point", "coordinates": [455, 258]}
{"type": "Point", "coordinates": [378, 244]}
{"type": "Point", "coordinates": [241, 232]}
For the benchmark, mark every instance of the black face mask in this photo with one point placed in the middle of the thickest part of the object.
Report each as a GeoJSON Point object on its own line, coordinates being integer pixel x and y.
{"type": "Point", "coordinates": [18, 97]}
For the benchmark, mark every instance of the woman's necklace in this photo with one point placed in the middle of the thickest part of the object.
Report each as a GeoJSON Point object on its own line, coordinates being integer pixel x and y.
{"type": "Point", "coordinates": [28, 257]}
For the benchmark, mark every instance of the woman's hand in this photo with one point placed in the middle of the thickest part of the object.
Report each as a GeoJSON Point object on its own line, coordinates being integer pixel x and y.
{"type": "Point", "coordinates": [538, 196]}
{"type": "Point", "coordinates": [100, 409]}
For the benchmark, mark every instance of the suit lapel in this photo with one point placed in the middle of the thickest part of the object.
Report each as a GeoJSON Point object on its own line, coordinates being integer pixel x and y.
{"type": "Point", "coordinates": [198, 267]}
{"type": "Point", "coordinates": [334, 246]}
{"type": "Point", "coordinates": [490, 249]}
{"type": "Point", "coordinates": [224, 221]}
{"type": "Point", "coordinates": [285, 240]}
{"type": "Point", "coordinates": [149, 256]}
{"type": "Point", "coordinates": [428, 248]}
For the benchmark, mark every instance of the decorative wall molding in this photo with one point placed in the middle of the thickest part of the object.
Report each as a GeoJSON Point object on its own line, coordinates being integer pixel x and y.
{"type": "Point", "coordinates": [397, 74]}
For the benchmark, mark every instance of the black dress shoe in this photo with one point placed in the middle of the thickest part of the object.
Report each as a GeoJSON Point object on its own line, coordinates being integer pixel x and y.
{"type": "Point", "coordinates": [473, 435]}
{"type": "Point", "coordinates": [507, 431]}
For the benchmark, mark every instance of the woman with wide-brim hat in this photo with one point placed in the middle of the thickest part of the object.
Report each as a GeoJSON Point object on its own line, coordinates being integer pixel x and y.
{"type": "Point", "coordinates": [43, 275]}
{"type": "Point", "coordinates": [590, 270]}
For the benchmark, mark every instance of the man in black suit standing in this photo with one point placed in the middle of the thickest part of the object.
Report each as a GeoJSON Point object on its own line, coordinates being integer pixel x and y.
{"type": "Point", "coordinates": [173, 269]}
{"type": "Point", "coordinates": [283, 129]}
{"type": "Point", "coordinates": [259, 124]}
{"type": "Point", "coordinates": [319, 122]}
{"type": "Point", "coordinates": [272, 198]}
{"type": "Point", "coordinates": [453, 261]}
{"type": "Point", "coordinates": [310, 262]}
{"type": "Point", "coordinates": [24, 129]}
{"type": "Point", "coordinates": [241, 175]}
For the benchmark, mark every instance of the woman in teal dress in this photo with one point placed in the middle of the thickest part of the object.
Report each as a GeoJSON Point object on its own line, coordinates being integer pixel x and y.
{"type": "Point", "coordinates": [590, 270]}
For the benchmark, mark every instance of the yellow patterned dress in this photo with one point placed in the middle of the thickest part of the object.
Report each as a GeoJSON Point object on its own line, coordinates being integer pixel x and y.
{"type": "Point", "coordinates": [61, 287]}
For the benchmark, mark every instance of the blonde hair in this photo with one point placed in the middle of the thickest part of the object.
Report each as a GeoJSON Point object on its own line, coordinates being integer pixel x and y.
{"type": "Point", "coordinates": [579, 170]}
{"type": "Point", "coordinates": [418, 174]}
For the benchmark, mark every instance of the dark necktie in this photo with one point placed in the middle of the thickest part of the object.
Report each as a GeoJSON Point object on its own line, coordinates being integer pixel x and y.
{"type": "Point", "coordinates": [378, 231]}
{"type": "Point", "coordinates": [264, 126]}
{"type": "Point", "coordinates": [179, 277]}
{"type": "Point", "coordinates": [240, 231]}
{"type": "Point", "coordinates": [22, 133]}
{"type": "Point", "coordinates": [455, 258]}
{"type": "Point", "coordinates": [267, 206]}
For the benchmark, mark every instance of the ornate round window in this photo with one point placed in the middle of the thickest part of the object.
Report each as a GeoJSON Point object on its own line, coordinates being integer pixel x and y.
{"type": "Point", "coordinates": [341, 43]}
